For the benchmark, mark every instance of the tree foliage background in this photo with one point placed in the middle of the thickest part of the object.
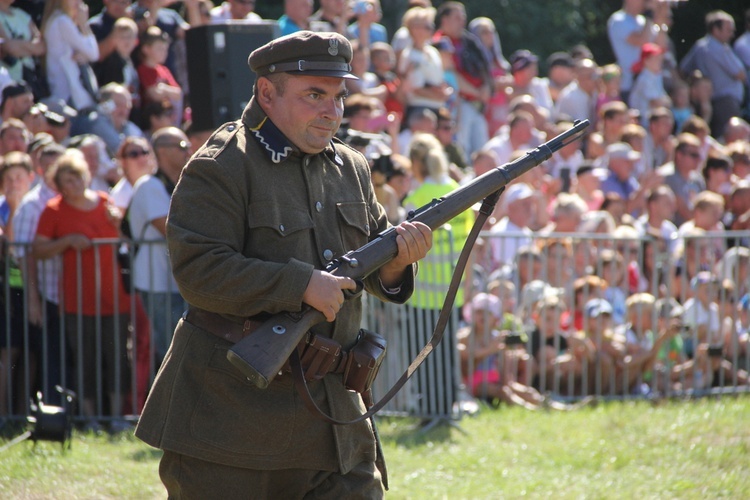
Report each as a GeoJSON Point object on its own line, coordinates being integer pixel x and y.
{"type": "Point", "coordinates": [545, 26]}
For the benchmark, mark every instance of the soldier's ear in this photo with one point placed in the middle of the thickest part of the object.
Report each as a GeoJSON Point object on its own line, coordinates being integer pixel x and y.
{"type": "Point", "coordinates": [265, 91]}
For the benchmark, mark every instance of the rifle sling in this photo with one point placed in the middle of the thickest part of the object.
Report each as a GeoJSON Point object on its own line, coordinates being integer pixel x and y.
{"type": "Point", "coordinates": [488, 204]}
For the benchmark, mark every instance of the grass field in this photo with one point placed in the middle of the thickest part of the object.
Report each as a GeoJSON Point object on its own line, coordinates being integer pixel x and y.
{"type": "Point", "coordinates": [683, 449]}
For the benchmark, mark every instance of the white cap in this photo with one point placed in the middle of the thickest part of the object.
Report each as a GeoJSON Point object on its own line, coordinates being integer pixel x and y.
{"type": "Point", "coordinates": [516, 192]}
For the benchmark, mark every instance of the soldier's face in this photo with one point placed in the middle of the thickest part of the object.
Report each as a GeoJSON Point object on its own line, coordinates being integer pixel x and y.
{"type": "Point", "coordinates": [309, 110]}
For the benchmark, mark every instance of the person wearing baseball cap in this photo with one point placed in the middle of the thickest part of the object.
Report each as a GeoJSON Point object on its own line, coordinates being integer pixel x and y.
{"type": "Point", "coordinates": [258, 213]}
{"type": "Point", "coordinates": [621, 159]}
{"type": "Point", "coordinates": [648, 87]}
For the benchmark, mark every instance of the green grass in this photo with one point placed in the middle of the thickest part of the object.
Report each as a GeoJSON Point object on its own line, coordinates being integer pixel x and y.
{"type": "Point", "coordinates": [684, 449]}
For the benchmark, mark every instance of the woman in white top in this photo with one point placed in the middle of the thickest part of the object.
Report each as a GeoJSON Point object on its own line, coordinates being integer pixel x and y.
{"type": "Point", "coordinates": [421, 65]}
{"type": "Point", "coordinates": [21, 40]}
{"type": "Point", "coordinates": [70, 43]}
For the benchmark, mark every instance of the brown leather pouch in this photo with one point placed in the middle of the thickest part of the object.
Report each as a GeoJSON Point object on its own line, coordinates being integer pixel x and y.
{"type": "Point", "coordinates": [364, 361]}
{"type": "Point", "coordinates": [318, 356]}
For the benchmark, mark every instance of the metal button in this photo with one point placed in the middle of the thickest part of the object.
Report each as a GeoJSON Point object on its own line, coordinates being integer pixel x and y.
{"type": "Point", "coordinates": [318, 206]}
{"type": "Point", "coordinates": [230, 128]}
{"type": "Point", "coordinates": [306, 161]}
{"type": "Point", "coordinates": [367, 228]}
{"type": "Point", "coordinates": [327, 254]}
{"type": "Point", "coordinates": [282, 228]}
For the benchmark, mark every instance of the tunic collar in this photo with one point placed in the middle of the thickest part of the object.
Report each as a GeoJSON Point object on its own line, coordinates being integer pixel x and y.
{"type": "Point", "coordinates": [272, 140]}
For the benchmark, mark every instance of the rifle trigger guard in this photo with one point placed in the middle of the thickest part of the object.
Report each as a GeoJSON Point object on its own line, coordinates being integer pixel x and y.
{"type": "Point", "coordinates": [353, 294]}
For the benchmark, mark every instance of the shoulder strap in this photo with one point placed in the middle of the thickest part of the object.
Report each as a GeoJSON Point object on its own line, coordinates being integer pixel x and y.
{"type": "Point", "coordinates": [488, 204]}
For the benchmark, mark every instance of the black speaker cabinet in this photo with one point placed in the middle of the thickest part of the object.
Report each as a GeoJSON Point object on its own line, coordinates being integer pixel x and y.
{"type": "Point", "coordinates": [221, 82]}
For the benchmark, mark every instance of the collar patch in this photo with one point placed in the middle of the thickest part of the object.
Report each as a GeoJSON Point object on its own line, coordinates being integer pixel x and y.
{"type": "Point", "coordinates": [275, 143]}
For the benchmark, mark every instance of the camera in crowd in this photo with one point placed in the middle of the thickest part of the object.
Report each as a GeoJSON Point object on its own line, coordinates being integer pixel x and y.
{"type": "Point", "coordinates": [515, 338]}
{"type": "Point", "coordinates": [715, 351]}
{"type": "Point", "coordinates": [375, 148]}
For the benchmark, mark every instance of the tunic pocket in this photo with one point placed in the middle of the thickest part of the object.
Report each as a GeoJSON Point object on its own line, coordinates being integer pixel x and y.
{"type": "Point", "coordinates": [278, 231]}
{"type": "Point", "coordinates": [233, 415]}
{"type": "Point", "coordinates": [354, 224]}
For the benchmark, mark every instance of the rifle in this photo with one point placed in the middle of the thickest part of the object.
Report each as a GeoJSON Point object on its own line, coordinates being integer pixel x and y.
{"type": "Point", "coordinates": [261, 356]}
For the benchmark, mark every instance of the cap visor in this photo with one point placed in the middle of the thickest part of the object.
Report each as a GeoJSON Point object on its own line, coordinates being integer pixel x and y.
{"type": "Point", "coordinates": [334, 74]}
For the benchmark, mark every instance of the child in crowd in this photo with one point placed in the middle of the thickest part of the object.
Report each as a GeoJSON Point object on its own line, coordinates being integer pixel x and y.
{"type": "Point", "coordinates": [118, 67]}
{"type": "Point", "coordinates": [559, 355]}
{"type": "Point", "coordinates": [613, 272]}
{"type": "Point", "coordinates": [585, 288]}
{"type": "Point", "coordinates": [15, 181]}
{"type": "Point", "coordinates": [701, 313]}
{"type": "Point", "coordinates": [392, 89]}
{"type": "Point", "coordinates": [672, 353]}
{"type": "Point", "coordinates": [681, 109]}
{"type": "Point", "coordinates": [505, 290]}
{"type": "Point", "coordinates": [610, 86]}
{"type": "Point", "coordinates": [450, 76]}
{"type": "Point", "coordinates": [648, 88]}
{"type": "Point", "coordinates": [157, 82]}
{"type": "Point", "coordinates": [646, 342]}
{"type": "Point", "coordinates": [701, 91]}
{"type": "Point", "coordinates": [736, 333]}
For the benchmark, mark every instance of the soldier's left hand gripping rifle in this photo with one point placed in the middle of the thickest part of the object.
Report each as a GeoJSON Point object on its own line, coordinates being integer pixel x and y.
{"type": "Point", "coordinates": [261, 355]}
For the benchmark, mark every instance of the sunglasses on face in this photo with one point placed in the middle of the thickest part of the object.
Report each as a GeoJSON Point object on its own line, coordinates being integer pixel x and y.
{"type": "Point", "coordinates": [135, 153]}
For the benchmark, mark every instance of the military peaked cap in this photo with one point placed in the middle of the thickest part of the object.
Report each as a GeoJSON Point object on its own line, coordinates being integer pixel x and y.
{"type": "Point", "coordinates": [304, 53]}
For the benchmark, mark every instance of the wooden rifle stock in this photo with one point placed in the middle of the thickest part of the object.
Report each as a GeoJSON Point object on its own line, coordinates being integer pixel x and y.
{"type": "Point", "coordinates": [261, 355]}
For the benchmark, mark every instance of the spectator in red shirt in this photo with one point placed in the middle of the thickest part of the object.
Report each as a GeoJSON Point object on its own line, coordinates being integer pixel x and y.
{"type": "Point", "coordinates": [157, 82]}
{"type": "Point", "coordinates": [69, 226]}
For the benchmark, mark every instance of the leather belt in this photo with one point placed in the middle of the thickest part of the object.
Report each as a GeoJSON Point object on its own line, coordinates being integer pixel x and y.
{"type": "Point", "coordinates": [233, 332]}
{"type": "Point", "coordinates": [220, 326]}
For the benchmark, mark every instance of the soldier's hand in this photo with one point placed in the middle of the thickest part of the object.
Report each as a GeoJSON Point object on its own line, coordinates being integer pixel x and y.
{"type": "Point", "coordinates": [324, 292]}
{"type": "Point", "coordinates": [414, 240]}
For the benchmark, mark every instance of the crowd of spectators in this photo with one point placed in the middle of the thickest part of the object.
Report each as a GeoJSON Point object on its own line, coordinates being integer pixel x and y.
{"type": "Point", "coordinates": [646, 302]}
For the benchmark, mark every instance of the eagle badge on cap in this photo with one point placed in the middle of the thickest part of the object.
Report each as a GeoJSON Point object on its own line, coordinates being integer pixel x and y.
{"type": "Point", "coordinates": [333, 47]}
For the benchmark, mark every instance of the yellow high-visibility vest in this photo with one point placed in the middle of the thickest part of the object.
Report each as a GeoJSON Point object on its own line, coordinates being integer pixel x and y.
{"type": "Point", "coordinates": [436, 269]}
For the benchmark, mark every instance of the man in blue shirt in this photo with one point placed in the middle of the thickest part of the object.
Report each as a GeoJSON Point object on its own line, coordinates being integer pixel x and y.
{"type": "Point", "coordinates": [713, 56]}
{"type": "Point", "coordinates": [621, 159]}
{"type": "Point", "coordinates": [295, 18]}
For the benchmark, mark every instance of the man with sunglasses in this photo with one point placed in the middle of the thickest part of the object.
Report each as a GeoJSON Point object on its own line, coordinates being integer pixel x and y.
{"type": "Point", "coordinates": [147, 216]}
{"type": "Point", "coordinates": [683, 175]}
{"type": "Point", "coordinates": [258, 213]}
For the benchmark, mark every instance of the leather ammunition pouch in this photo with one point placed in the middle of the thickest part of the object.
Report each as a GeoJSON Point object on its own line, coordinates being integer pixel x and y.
{"type": "Point", "coordinates": [363, 361]}
{"type": "Point", "coordinates": [319, 356]}
{"type": "Point", "coordinates": [322, 355]}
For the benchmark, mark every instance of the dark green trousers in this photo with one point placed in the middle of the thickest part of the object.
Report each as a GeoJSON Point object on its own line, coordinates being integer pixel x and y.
{"type": "Point", "coordinates": [187, 477]}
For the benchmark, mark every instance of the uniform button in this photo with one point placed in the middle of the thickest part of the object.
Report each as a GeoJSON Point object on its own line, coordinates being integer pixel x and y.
{"type": "Point", "coordinates": [230, 128]}
{"type": "Point", "coordinates": [327, 254]}
{"type": "Point", "coordinates": [282, 228]}
{"type": "Point", "coordinates": [306, 161]}
{"type": "Point", "coordinates": [318, 206]}
{"type": "Point", "coordinates": [367, 228]}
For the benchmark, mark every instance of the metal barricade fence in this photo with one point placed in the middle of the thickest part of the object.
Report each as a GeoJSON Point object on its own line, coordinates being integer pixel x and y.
{"type": "Point", "coordinates": [36, 358]}
{"type": "Point", "coordinates": [625, 359]}
{"type": "Point", "coordinates": [102, 350]}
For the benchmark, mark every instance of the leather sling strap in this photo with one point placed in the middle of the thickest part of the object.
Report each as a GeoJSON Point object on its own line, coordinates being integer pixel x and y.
{"type": "Point", "coordinates": [488, 205]}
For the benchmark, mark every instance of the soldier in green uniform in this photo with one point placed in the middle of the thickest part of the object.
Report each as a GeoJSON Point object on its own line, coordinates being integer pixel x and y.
{"type": "Point", "coordinates": [258, 212]}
